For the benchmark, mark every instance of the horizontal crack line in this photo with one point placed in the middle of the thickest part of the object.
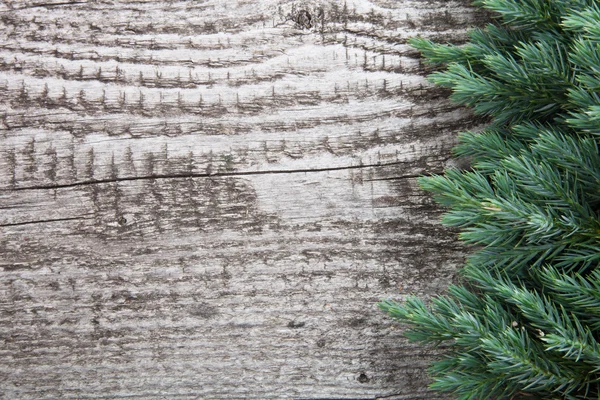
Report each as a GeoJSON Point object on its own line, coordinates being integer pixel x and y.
{"type": "Point", "coordinates": [42, 221]}
{"type": "Point", "coordinates": [45, 5]}
{"type": "Point", "coordinates": [399, 177]}
{"type": "Point", "coordinates": [203, 175]}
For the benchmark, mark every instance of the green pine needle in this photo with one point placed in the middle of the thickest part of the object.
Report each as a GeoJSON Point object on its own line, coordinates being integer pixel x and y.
{"type": "Point", "coordinates": [525, 323]}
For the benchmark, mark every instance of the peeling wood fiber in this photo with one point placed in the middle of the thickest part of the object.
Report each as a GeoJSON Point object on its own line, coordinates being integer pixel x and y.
{"type": "Point", "coordinates": [206, 199]}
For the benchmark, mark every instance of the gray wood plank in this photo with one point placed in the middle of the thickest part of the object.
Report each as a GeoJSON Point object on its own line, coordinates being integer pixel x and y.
{"type": "Point", "coordinates": [206, 199]}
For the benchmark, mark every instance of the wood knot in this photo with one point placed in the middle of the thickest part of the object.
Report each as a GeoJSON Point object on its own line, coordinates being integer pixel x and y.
{"type": "Point", "coordinates": [303, 19]}
{"type": "Point", "coordinates": [363, 378]}
{"type": "Point", "coordinates": [295, 325]}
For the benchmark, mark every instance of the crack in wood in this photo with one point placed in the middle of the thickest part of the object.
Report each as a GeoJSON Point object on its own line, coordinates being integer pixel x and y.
{"type": "Point", "coordinates": [402, 177]}
{"type": "Point", "coordinates": [46, 5]}
{"type": "Point", "coordinates": [214, 175]}
{"type": "Point", "coordinates": [43, 221]}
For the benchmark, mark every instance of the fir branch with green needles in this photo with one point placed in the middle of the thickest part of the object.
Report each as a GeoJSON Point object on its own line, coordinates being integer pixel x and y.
{"type": "Point", "coordinates": [525, 322]}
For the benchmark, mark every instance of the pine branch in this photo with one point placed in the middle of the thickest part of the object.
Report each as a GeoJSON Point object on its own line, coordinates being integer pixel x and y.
{"type": "Point", "coordinates": [531, 15]}
{"type": "Point", "coordinates": [526, 322]}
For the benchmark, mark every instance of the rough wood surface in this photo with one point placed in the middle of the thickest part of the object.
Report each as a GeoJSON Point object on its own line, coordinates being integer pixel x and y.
{"type": "Point", "coordinates": [205, 199]}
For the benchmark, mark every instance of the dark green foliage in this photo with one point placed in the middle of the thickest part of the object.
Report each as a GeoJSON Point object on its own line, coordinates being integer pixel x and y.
{"type": "Point", "coordinates": [526, 321]}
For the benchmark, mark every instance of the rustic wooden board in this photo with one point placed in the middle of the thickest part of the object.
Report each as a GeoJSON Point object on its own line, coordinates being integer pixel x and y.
{"type": "Point", "coordinates": [205, 199]}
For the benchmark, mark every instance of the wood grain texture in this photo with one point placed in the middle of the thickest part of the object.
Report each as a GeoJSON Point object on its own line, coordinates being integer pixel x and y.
{"type": "Point", "coordinates": [205, 199]}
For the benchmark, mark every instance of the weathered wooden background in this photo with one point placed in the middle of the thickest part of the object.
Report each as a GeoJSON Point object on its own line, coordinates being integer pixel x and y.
{"type": "Point", "coordinates": [205, 199]}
